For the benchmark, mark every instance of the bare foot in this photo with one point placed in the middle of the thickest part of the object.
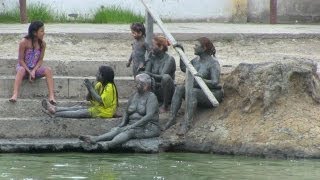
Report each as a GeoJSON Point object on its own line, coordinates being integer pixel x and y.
{"type": "Point", "coordinates": [88, 139]}
{"type": "Point", "coordinates": [103, 146]}
{"type": "Point", "coordinates": [48, 113]}
{"type": "Point", "coordinates": [48, 106]}
{"type": "Point", "coordinates": [13, 99]}
{"type": "Point", "coordinates": [52, 101]}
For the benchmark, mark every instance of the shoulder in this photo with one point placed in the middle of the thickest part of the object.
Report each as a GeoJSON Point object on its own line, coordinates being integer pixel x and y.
{"type": "Point", "coordinates": [109, 86]}
{"type": "Point", "coordinates": [152, 97]}
{"type": "Point", "coordinates": [195, 59]}
{"type": "Point", "coordinates": [215, 61]}
{"type": "Point", "coordinates": [169, 57]}
{"type": "Point", "coordinates": [24, 42]}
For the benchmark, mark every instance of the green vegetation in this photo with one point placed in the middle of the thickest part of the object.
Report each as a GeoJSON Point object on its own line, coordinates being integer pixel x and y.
{"type": "Point", "coordinates": [45, 13]}
{"type": "Point", "coordinates": [115, 15]}
{"type": "Point", "coordinates": [40, 12]}
{"type": "Point", "coordinates": [12, 16]}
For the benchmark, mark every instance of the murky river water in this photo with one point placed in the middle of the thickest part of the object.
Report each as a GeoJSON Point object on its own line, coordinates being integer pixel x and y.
{"type": "Point", "coordinates": [174, 166]}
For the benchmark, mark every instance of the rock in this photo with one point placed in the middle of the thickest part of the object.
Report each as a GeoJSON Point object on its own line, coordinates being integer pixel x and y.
{"type": "Point", "coordinates": [270, 109]}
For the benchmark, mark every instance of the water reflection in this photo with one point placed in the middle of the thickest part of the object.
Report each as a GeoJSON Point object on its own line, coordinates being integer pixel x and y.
{"type": "Point", "coordinates": [162, 166]}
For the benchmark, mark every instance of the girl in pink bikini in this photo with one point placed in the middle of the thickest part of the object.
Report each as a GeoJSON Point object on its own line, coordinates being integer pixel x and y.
{"type": "Point", "coordinates": [30, 60]}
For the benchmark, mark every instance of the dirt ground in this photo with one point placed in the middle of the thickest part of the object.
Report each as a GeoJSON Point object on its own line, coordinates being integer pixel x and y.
{"type": "Point", "coordinates": [229, 52]}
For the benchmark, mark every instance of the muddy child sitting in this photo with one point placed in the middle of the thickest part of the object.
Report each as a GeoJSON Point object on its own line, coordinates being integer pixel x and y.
{"type": "Point", "coordinates": [139, 48]}
{"type": "Point", "coordinates": [103, 99]}
{"type": "Point", "coordinates": [30, 60]}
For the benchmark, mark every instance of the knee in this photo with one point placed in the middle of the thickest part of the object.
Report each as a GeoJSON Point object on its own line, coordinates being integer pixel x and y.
{"type": "Point", "coordinates": [21, 71]}
{"type": "Point", "coordinates": [48, 71]}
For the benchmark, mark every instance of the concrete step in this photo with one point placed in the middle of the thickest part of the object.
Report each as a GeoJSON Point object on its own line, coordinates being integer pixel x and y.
{"type": "Point", "coordinates": [46, 127]}
{"type": "Point", "coordinates": [39, 145]}
{"type": "Point", "coordinates": [72, 67]}
{"type": "Point", "coordinates": [65, 87]}
{"type": "Point", "coordinates": [32, 107]}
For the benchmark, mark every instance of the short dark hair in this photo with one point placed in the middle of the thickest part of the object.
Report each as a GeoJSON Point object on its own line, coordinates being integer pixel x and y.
{"type": "Point", "coordinates": [138, 27]}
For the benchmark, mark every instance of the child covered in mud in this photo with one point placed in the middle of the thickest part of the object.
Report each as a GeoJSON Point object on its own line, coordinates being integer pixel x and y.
{"type": "Point", "coordinates": [139, 48]}
{"type": "Point", "coordinates": [30, 60]}
{"type": "Point", "coordinates": [103, 97]}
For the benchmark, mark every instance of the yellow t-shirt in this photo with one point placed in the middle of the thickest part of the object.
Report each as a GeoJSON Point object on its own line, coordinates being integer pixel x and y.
{"type": "Point", "coordinates": [109, 99]}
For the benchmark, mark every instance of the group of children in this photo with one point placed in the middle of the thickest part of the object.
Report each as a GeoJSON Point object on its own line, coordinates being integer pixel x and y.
{"type": "Point", "coordinates": [103, 95]}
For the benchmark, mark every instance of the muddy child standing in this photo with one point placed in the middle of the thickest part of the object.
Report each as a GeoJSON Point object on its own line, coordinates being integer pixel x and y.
{"type": "Point", "coordinates": [31, 52]}
{"type": "Point", "coordinates": [139, 48]}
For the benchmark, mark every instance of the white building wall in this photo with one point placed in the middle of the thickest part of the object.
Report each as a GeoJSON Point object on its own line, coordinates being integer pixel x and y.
{"type": "Point", "coordinates": [169, 9]}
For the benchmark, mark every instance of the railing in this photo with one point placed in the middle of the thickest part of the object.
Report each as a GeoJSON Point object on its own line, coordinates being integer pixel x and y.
{"type": "Point", "coordinates": [151, 17]}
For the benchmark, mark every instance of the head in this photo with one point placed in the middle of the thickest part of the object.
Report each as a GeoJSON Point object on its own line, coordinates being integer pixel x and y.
{"type": "Point", "coordinates": [143, 83]}
{"type": "Point", "coordinates": [138, 30]}
{"type": "Point", "coordinates": [204, 45]}
{"type": "Point", "coordinates": [160, 45]}
{"type": "Point", "coordinates": [36, 30]}
{"type": "Point", "coordinates": [105, 75]}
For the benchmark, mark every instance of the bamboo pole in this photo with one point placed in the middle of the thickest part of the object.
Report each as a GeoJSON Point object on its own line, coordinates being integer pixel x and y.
{"type": "Point", "coordinates": [149, 28]}
{"type": "Point", "coordinates": [184, 58]}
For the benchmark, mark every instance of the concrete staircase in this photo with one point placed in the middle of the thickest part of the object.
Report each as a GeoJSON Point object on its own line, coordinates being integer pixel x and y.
{"type": "Point", "coordinates": [24, 121]}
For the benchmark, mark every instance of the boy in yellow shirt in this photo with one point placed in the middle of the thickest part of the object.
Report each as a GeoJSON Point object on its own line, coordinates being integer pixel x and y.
{"type": "Point", "coordinates": [103, 99]}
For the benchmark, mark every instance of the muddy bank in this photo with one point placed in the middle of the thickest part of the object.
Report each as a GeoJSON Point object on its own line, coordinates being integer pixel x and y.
{"type": "Point", "coordinates": [269, 110]}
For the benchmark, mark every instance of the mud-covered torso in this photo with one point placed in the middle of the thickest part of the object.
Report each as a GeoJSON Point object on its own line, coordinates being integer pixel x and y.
{"type": "Point", "coordinates": [137, 108]}
{"type": "Point", "coordinates": [207, 69]}
{"type": "Point", "coordinates": [139, 48]}
{"type": "Point", "coordinates": [158, 64]}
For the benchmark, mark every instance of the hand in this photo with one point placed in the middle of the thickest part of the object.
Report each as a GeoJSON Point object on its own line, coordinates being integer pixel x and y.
{"type": "Point", "coordinates": [87, 83]}
{"type": "Point", "coordinates": [179, 45]}
{"type": "Point", "coordinates": [32, 76]}
{"type": "Point", "coordinates": [141, 68]}
{"type": "Point", "coordinates": [199, 75]}
{"type": "Point", "coordinates": [128, 64]}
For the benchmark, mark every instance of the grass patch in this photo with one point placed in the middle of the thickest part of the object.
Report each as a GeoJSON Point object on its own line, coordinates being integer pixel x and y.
{"type": "Point", "coordinates": [40, 12]}
{"type": "Point", "coordinates": [45, 13]}
{"type": "Point", "coordinates": [11, 16]}
{"type": "Point", "coordinates": [115, 15]}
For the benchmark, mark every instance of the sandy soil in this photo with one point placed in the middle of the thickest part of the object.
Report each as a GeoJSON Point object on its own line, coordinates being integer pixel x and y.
{"type": "Point", "coordinates": [228, 52]}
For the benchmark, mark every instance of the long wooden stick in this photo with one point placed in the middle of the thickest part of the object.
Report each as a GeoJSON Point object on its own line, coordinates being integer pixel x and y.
{"type": "Point", "coordinates": [184, 58]}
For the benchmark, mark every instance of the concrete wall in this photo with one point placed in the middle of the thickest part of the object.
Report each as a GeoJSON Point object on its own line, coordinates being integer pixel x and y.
{"type": "Point", "coordinates": [299, 11]}
{"type": "Point", "coordinates": [217, 10]}
{"type": "Point", "coordinates": [258, 11]}
{"type": "Point", "coordinates": [289, 11]}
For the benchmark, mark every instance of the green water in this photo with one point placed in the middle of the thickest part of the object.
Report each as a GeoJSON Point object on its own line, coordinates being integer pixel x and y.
{"type": "Point", "coordinates": [161, 166]}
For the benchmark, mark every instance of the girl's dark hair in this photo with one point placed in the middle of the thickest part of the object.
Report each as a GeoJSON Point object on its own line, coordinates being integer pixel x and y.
{"type": "Point", "coordinates": [107, 74]}
{"type": "Point", "coordinates": [138, 27]}
{"type": "Point", "coordinates": [33, 28]}
{"type": "Point", "coordinates": [207, 44]}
